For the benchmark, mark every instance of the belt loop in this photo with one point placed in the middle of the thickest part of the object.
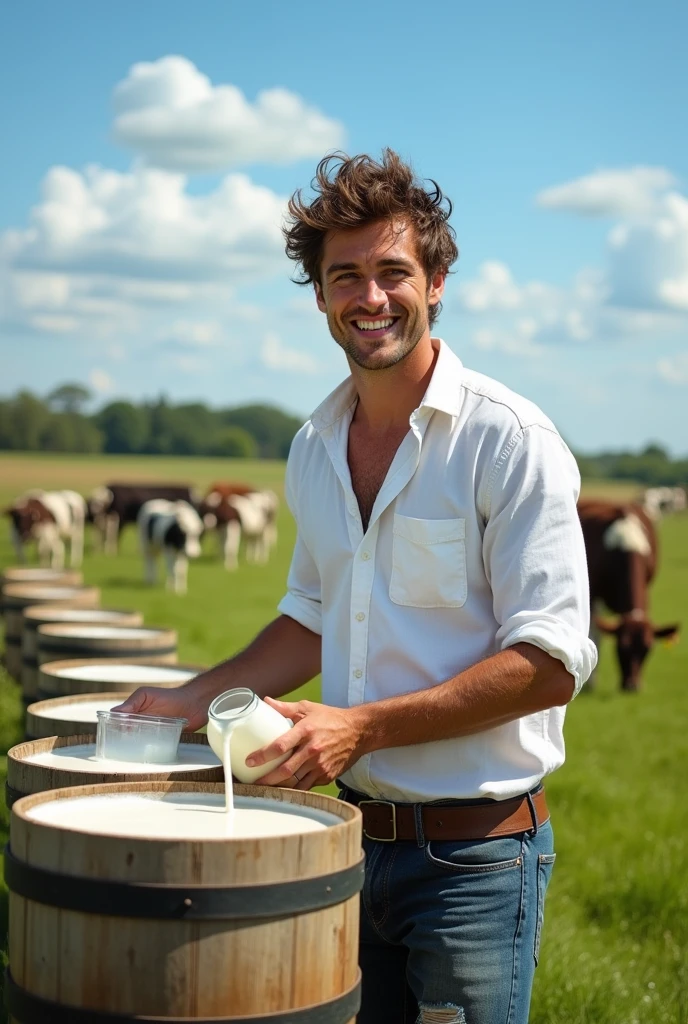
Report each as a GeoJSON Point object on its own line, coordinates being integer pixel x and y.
{"type": "Point", "coordinates": [533, 813]}
{"type": "Point", "coordinates": [418, 816]}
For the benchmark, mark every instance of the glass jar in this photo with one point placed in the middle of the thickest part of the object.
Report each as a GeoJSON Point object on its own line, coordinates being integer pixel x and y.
{"type": "Point", "coordinates": [251, 723]}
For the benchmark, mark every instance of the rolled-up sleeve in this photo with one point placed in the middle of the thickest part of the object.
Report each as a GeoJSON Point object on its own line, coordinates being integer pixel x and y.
{"type": "Point", "coordinates": [303, 600]}
{"type": "Point", "coordinates": [534, 552]}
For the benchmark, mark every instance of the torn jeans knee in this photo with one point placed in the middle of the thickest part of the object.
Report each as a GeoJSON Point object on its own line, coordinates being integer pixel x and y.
{"type": "Point", "coordinates": [440, 1013]}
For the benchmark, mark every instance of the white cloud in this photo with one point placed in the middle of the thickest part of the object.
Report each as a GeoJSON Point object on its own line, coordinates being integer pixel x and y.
{"type": "Point", "coordinates": [174, 117]}
{"type": "Point", "coordinates": [105, 250]}
{"type": "Point", "coordinates": [493, 288]}
{"type": "Point", "coordinates": [101, 381]}
{"type": "Point", "coordinates": [610, 193]}
{"type": "Point", "coordinates": [515, 342]}
{"type": "Point", "coordinates": [521, 318]}
{"type": "Point", "coordinates": [640, 294]}
{"type": "Point", "coordinates": [193, 335]}
{"type": "Point", "coordinates": [145, 225]}
{"type": "Point", "coordinates": [275, 355]}
{"type": "Point", "coordinates": [648, 258]}
{"type": "Point", "coordinates": [674, 369]}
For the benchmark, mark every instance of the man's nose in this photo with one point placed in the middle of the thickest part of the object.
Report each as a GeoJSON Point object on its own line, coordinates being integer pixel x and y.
{"type": "Point", "coordinates": [372, 295]}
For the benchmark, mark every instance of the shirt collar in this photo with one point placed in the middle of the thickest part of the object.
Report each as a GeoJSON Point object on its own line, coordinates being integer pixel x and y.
{"type": "Point", "coordinates": [443, 392]}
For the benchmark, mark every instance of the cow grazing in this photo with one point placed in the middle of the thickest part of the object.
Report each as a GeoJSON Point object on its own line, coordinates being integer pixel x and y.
{"type": "Point", "coordinates": [227, 487]}
{"type": "Point", "coordinates": [251, 516]}
{"type": "Point", "coordinates": [621, 549]}
{"type": "Point", "coordinates": [114, 505]}
{"type": "Point", "coordinates": [51, 519]}
{"type": "Point", "coordinates": [660, 501]}
{"type": "Point", "coordinates": [173, 529]}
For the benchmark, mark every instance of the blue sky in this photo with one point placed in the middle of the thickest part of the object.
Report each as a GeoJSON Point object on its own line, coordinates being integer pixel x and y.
{"type": "Point", "coordinates": [150, 147]}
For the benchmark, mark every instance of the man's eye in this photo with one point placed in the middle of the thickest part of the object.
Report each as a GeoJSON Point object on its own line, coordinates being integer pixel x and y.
{"type": "Point", "coordinates": [343, 277]}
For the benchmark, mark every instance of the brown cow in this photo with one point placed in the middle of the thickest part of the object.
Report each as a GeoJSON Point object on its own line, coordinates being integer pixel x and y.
{"type": "Point", "coordinates": [621, 548]}
{"type": "Point", "coordinates": [49, 518]}
{"type": "Point", "coordinates": [251, 514]}
{"type": "Point", "coordinates": [226, 488]}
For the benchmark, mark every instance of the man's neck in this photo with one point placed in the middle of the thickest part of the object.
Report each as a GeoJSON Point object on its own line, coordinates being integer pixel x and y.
{"type": "Point", "coordinates": [386, 398]}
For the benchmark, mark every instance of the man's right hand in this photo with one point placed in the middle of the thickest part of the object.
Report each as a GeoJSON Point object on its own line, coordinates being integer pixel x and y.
{"type": "Point", "coordinates": [168, 702]}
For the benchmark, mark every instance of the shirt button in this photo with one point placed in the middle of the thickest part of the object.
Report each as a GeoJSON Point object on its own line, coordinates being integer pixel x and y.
{"type": "Point", "coordinates": [360, 617]}
{"type": "Point", "coordinates": [358, 673]}
{"type": "Point", "coordinates": [365, 556]}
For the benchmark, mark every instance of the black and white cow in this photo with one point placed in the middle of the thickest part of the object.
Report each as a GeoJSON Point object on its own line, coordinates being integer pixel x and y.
{"type": "Point", "coordinates": [113, 505]}
{"type": "Point", "coordinates": [51, 519]}
{"type": "Point", "coordinates": [173, 529]}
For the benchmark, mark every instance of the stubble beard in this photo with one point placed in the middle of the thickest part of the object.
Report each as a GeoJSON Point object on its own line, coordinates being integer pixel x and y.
{"type": "Point", "coordinates": [413, 331]}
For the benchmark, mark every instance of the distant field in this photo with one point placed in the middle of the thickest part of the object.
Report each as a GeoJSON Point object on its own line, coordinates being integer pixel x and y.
{"type": "Point", "coordinates": [616, 935]}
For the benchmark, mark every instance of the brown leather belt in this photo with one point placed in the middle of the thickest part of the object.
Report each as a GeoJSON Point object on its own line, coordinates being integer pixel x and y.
{"type": "Point", "coordinates": [387, 822]}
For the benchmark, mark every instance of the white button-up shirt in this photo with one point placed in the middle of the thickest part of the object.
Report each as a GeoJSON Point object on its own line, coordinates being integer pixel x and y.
{"type": "Point", "coordinates": [473, 545]}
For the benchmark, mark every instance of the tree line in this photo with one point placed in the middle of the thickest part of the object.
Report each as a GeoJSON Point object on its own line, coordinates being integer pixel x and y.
{"type": "Point", "coordinates": [59, 423]}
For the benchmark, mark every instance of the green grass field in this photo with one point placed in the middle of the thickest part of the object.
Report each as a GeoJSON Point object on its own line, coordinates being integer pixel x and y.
{"type": "Point", "coordinates": [615, 946]}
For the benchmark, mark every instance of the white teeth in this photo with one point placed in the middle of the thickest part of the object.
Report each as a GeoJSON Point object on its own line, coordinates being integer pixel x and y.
{"type": "Point", "coordinates": [374, 325]}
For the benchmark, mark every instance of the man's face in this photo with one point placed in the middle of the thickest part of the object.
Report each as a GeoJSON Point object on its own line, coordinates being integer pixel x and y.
{"type": "Point", "coordinates": [375, 293]}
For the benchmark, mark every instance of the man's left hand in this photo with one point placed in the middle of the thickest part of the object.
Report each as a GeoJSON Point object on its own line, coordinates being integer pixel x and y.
{"type": "Point", "coordinates": [324, 742]}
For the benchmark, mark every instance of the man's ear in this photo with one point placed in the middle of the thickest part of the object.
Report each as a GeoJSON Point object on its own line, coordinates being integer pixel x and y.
{"type": "Point", "coordinates": [436, 289]}
{"type": "Point", "coordinates": [319, 297]}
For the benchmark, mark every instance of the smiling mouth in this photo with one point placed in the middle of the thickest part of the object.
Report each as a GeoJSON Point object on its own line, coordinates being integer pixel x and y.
{"type": "Point", "coordinates": [374, 326]}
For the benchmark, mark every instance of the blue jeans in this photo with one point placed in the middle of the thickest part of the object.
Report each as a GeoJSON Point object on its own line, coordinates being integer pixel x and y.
{"type": "Point", "coordinates": [450, 931]}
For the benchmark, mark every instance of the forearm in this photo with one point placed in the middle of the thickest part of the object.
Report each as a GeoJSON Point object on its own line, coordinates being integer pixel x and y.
{"type": "Point", "coordinates": [281, 657]}
{"type": "Point", "coordinates": [516, 682]}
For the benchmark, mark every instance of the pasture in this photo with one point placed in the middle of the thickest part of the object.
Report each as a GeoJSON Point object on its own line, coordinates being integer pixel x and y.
{"type": "Point", "coordinates": [615, 945]}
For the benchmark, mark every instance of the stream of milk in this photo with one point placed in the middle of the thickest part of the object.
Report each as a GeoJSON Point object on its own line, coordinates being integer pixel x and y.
{"type": "Point", "coordinates": [229, 785]}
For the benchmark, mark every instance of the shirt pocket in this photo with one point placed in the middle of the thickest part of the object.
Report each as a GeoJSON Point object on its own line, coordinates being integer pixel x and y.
{"type": "Point", "coordinates": [428, 563]}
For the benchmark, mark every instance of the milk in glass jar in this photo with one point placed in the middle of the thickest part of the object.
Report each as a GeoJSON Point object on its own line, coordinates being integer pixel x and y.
{"type": "Point", "coordinates": [239, 723]}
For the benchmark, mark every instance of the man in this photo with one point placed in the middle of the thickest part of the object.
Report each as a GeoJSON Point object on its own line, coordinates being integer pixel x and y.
{"type": "Point", "coordinates": [439, 583]}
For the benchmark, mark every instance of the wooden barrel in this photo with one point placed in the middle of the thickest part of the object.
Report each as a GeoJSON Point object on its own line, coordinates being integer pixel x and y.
{"type": "Point", "coordinates": [36, 574]}
{"type": "Point", "coordinates": [42, 614]}
{"type": "Point", "coordinates": [97, 675]}
{"type": "Point", "coordinates": [120, 927]}
{"type": "Point", "coordinates": [35, 766]}
{"type": "Point", "coordinates": [69, 716]}
{"type": "Point", "coordinates": [18, 596]}
{"type": "Point", "coordinates": [63, 642]}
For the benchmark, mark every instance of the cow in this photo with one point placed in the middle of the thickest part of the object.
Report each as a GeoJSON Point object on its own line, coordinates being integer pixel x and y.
{"type": "Point", "coordinates": [173, 529]}
{"type": "Point", "coordinates": [658, 501]}
{"type": "Point", "coordinates": [229, 487]}
{"type": "Point", "coordinates": [251, 516]}
{"type": "Point", "coordinates": [621, 550]}
{"type": "Point", "coordinates": [51, 519]}
{"type": "Point", "coordinates": [112, 506]}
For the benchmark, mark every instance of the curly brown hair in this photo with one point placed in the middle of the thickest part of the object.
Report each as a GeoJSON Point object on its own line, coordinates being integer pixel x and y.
{"type": "Point", "coordinates": [350, 192]}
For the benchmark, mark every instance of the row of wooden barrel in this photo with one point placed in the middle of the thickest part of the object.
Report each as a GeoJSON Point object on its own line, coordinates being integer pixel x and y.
{"type": "Point", "coordinates": [114, 928]}
{"type": "Point", "coordinates": [62, 620]}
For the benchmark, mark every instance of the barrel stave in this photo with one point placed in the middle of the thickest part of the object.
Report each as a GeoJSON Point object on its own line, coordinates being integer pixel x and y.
{"type": "Point", "coordinates": [182, 968]}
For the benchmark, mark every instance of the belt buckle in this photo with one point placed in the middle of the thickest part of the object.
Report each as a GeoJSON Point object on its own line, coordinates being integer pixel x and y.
{"type": "Point", "coordinates": [385, 803]}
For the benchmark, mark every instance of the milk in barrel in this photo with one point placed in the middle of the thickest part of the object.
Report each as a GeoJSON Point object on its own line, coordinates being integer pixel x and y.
{"type": "Point", "coordinates": [38, 574]}
{"type": "Point", "coordinates": [66, 641]}
{"type": "Point", "coordinates": [95, 675]}
{"type": "Point", "coordinates": [41, 614]}
{"type": "Point", "coordinates": [70, 716]}
{"type": "Point", "coordinates": [58, 761]}
{"type": "Point", "coordinates": [19, 596]}
{"type": "Point", "coordinates": [142, 900]}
